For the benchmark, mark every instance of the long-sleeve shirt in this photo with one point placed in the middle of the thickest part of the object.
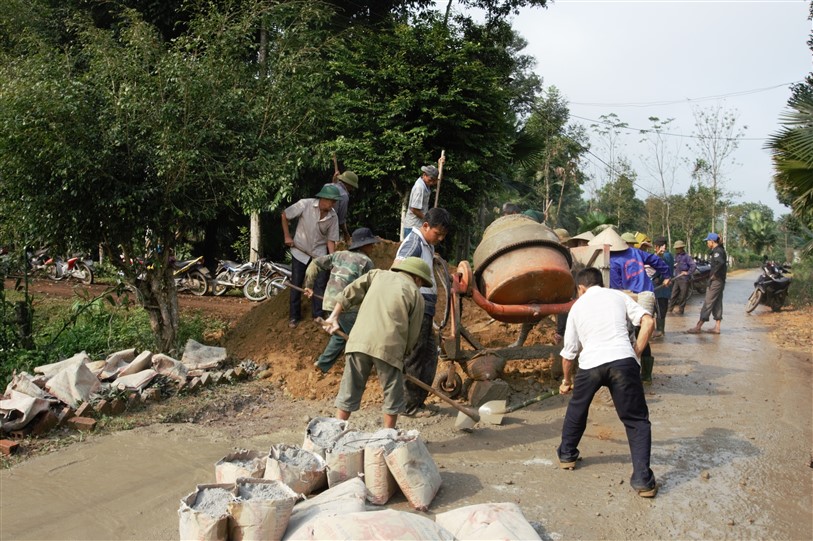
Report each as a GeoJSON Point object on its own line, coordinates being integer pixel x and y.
{"type": "Point", "coordinates": [719, 265]}
{"type": "Point", "coordinates": [684, 263]}
{"type": "Point", "coordinates": [344, 266]}
{"type": "Point", "coordinates": [627, 270]}
{"type": "Point", "coordinates": [390, 315]}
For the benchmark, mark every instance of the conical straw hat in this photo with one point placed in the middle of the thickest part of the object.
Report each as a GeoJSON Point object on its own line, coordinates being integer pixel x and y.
{"type": "Point", "coordinates": [609, 236]}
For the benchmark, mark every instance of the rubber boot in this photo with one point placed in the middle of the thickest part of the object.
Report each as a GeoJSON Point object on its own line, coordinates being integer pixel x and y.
{"type": "Point", "coordinates": [647, 362]}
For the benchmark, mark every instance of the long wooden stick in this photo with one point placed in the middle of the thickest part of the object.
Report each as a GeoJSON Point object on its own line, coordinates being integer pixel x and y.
{"type": "Point", "coordinates": [440, 176]}
{"type": "Point", "coordinates": [335, 165]}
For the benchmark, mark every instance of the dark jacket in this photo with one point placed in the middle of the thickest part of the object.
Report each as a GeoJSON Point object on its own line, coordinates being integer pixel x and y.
{"type": "Point", "coordinates": [719, 265]}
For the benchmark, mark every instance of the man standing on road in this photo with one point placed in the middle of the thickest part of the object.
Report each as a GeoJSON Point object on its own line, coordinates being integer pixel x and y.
{"type": "Point", "coordinates": [597, 332]}
{"type": "Point", "coordinates": [663, 288]}
{"type": "Point", "coordinates": [684, 268]}
{"type": "Point", "coordinates": [713, 303]}
{"type": "Point", "coordinates": [387, 328]}
{"type": "Point", "coordinates": [418, 204]}
{"type": "Point", "coordinates": [317, 231]}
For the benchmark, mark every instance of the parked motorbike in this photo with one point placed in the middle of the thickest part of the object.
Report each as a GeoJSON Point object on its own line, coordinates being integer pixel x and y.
{"type": "Point", "coordinates": [191, 275]}
{"type": "Point", "coordinates": [230, 274]}
{"type": "Point", "coordinates": [261, 284]}
{"type": "Point", "coordinates": [701, 276]}
{"type": "Point", "coordinates": [37, 262]}
{"type": "Point", "coordinates": [771, 288]}
{"type": "Point", "coordinates": [75, 267]}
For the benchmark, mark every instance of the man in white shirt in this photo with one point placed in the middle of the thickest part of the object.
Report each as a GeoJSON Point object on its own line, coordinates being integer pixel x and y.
{"type": "Point", "coordinates": [418, 204]}
{"type": "Point", "coordinates": [597, 332]}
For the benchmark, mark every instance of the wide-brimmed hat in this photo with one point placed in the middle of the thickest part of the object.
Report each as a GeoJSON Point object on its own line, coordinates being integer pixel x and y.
{"type": "Point", "coordinates": [430, 170]}
{"type": "Point", "coordinates": [416, 267]}
{"type": "Point", "coordinates": [629, 238]}
{"type": "Point", "coordinates": [329, 191]}
{"type": "Point", "coordinates": [609, 236]}
{"type": "Point", "coordinates": [362, 237]}
{"type": "Point", "coordinates": [587, 235]}
{"type": "Point", "coordinates": [563, 234]}
{"type": "Point", "coordinates": [534, 215]}
{"type": "Point", "coordinates": [713, 237]}
{"type": "Point", "coordinates": [350, 178]}
{"type": "Point", "coordinates": [679, 244]}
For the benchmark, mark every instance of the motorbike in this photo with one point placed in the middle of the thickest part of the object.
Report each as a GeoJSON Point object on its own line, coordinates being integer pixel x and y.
{"type": "Point", "coordinates": [191, 275]}
{"type": "Point", "coordinates": [266, 279]}
{"type": "Point", "coordinates": [75, 267]}
{"type": "Point", "coordinates": [700, 277]}
{"type": "Point", "coordinates": [771, 288]}
{"type": "Point", "coordinates": [230, 274]}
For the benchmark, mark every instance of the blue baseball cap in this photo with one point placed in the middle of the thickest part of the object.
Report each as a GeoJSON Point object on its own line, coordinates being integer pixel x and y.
{"type": "Point", "coordinates": [713, 237]}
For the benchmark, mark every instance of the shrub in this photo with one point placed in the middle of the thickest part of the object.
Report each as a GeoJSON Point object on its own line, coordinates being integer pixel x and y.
{"type": "Point", "coordinates": [801, 288]}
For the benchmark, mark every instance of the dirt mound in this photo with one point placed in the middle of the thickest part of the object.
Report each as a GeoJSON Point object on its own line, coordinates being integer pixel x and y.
{"type": "Point", "coordinates": [287, 355]}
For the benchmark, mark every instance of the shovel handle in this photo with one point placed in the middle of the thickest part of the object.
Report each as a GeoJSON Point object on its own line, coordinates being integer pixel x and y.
{"type": "Point", "coordinates": [534, 400]}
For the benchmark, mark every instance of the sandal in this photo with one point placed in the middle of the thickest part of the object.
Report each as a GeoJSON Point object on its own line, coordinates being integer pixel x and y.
{"type": "Point", "coordinates": [648, 492]}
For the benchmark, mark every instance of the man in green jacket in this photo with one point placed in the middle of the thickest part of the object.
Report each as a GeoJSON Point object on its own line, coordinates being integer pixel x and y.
{"type": "Point", "coordinates": [386, 330]}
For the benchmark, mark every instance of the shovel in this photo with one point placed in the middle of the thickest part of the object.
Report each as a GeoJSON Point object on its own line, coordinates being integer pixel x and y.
{"type": "Point", "coordinates": [467, 417]}
{"type": "Point", "coordinates": [496, 408]}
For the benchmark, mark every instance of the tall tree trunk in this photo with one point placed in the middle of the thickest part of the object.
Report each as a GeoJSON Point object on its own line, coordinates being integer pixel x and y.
{"type": "Point", "coordinates": [160, 298]}
{"type": "Point", "coordinates": [255, 230]}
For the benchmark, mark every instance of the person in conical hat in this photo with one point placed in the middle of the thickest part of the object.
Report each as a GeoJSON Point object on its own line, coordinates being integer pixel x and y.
{"type": "Point", "coordinates": [580, 240]}
{"type": "Point", "coordinates": [609, 236]}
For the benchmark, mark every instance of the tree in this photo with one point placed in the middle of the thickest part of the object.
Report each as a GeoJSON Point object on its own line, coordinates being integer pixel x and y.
{"type": "Point", "coordinates": [609, 131]}
{"type": "Point", "coordinates": [121, 137]}
{"type": "Point", "coordinates": [662, 163]}
{"type": "Point", "coordinates": [716, 139]}
{"type": "Point", "coordinates": [617, 198]}
{"type": "Point", "coordinates": [756, 227]}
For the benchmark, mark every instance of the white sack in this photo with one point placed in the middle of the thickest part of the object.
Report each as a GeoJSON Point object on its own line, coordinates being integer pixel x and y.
{"type": "Point", "coordinates": [116, 362]}
{"type": "Point", "coordinates": [243, 463]}
{"type": "Point", "coordinates": [50, 370]}
{"type": "Point", "coordinates": [415, 472]}
{"type": "Point", "coordinates": [488, 521]}
{"type": "Point", "coordinates": [261, 511]}
{"type": "Point", "coordinates": [385, 525]}
{"type": "Point", "coordinates": [203, 515]}
{"type": "Point", "coordinates": [169, 367]}
{"type": "Point", "coordinates": [25, 383]}
{"type": "Point", "coordinates": [321, 433]}
{"type": "Point", "coordinates": [302, 470]}
{"type": "Point", "coordinates": [96, 367]}
{"type": "Point", "coordinates": [135, 382]}
{"type": "Point", "coordinates": [378, 478]}
{"type": "Point", "coordinates": [19, 409]}
{"type": "Point", "coordinates": [142, 362]}
{"type": "Point", "coordinates": [196, 356]}
{"type": "Point", "coordinates": [340, 500]}
{"type": "Point", "coordinates": [73, 384]}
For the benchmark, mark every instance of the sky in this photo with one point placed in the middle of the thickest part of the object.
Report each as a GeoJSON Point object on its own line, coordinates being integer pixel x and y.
{"type": "Point", "coordinates": [629, 57]}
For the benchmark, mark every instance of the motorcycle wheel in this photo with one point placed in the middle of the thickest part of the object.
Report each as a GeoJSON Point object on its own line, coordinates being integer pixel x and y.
{"type": "Point", "coordinates": [217, 288]}
{"type": "Point", "coordinates": [753, 301]}
{"type": "Point", "coordinates": [52, 273]}
{"type": "Point", "coordinates": [83, 273]}
{"type": "Point", "coordinates": [255, 289]}
{"type": "Point", "coordinates": [196, 283]}
{"type": "Point", "coordinates": [275, 285]}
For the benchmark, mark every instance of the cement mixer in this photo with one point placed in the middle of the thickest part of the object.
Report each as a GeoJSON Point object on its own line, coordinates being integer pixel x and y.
{"type": "Point", "coordinates": [522, 273]}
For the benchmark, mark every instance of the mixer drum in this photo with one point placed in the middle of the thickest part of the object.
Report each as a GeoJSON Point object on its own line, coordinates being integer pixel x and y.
{"type": "Point", "coordinates": [520, 261]}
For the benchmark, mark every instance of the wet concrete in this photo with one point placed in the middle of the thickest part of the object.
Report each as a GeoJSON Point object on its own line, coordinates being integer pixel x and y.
{"type": "Point", "coordinates": [732, 439]}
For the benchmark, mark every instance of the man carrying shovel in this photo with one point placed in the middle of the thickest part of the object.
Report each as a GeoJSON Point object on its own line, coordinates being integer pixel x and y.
{"type": "Point", "coordinates": [317, 231]}
{"type": "Point", "coordinates": [344, 267]}
{"type": "Point", "coordinates": [386, 330]}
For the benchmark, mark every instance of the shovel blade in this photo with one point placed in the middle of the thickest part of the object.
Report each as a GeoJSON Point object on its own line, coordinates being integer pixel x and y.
{"type": "Point", "coordinates": [464, 422]}
{"type": "Point", "coordinates": [492, 412]}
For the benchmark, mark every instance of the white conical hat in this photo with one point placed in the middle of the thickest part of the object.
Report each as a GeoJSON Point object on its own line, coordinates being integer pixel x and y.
{"type": "Point", "coordinates": [609, 236]}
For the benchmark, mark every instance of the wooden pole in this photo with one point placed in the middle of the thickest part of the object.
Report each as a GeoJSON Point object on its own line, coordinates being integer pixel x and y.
{"type": "Point", "coordinates": [440, 176]}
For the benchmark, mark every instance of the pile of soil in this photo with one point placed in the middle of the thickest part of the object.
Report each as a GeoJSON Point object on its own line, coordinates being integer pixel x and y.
{"type": "Point", "coordinates": [287, 355]}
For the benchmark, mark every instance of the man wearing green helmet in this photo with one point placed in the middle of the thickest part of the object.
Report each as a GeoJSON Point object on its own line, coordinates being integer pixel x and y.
{"type": "Point", "coordinates": [386, 330]}
{"type": "Point", "coordinates": [317, 231]}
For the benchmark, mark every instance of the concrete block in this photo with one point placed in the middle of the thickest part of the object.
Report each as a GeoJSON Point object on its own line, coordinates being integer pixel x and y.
{"type": "Point", "coordinates": [8, 447]}
{"type": "Point", "coordinates": [83, 424]}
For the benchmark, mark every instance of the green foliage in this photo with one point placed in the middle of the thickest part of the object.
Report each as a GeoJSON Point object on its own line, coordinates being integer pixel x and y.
{"type": "Point", "coordinates": [617, 199]}
{"type": "Point", "coordinates": [801, 288]}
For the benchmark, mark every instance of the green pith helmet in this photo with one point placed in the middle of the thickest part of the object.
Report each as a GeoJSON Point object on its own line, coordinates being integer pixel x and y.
{"type": "Point", "coordinates": [350, 178]}
{"type": "Point", "coordinates": [534, 215]}
{"type": "Point", "coordinates": [679, 244]}
{"type": "Point", "coordinates": [629, 238]}
{"type": "Point", "coordinates": [329, 191]}
{"type": "Point", "coordinates": [416, 267]}
{"type": "Point", "coordinates": [563, 234]}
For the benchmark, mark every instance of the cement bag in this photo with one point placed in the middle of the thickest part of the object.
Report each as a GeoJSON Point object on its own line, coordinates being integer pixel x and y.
{"type": "Point", "coordinates": [50, 370]}
{"type": "Point", "coordinates": [487, 521]}
{"type": "Point", "coordinates": [142, 362]}
{"type": "Point", "coordinates": [647, 301]}
{"type": "Point", "coordinates": [345, 459]}
{"type": "Point", "coordinates": [261, 510]}
{"type": "Point", "coordinates": [116, 362]}
{"type": "Point", "coordinates": [242, 463]}
{"type": "Point", "coordinates": [415, 471]}
{"type": "Point", "coordinates": [73, 384]}
{"type": "Point", "coordinates": [204, 514]}
{"type": "Point", "coordinates": [378, 478]}
{"type": "Point", "coordinates": [303, 471]}
{"type": "Point", "coordinates": [321, 433]}
{"type": "Point", "coordinates": [340, 500]}
{"type": "Point", "coordinates": [27, 384]}
{"type": "Point", "coordinates": [135, 382]}
{"type": "Point", "coordinates": [19, 409]}
{"type": "Point", "coordinates": [169, 367]}
{"type": "Point", "coordinates": [386, 525]}
{"type": "Point", "coordinates": [196, 356]}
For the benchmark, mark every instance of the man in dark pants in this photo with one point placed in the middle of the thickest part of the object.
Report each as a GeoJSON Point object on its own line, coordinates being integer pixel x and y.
{"type": "Point", "coordinates": [597, 332]}
{"type": "Point", "coordinates": [713, 303]}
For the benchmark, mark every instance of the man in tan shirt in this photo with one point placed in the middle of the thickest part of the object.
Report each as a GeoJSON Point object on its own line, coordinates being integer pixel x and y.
{"type": "Point", "coordinates": [386, 330]}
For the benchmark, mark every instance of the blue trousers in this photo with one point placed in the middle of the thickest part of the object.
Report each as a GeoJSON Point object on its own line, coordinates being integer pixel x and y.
{"type": "Point", "coordinates": [623, 379]}
{"type": "Point", "coordinates": [336, 344]}
{"type": "Point", "coordinates": [298, 279]}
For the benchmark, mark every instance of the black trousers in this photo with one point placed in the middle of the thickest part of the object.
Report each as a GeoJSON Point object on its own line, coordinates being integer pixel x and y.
{"type": "Point", "coordinates": [421, 364]}
{"type": "Point", "coordinates": [298, 279]}
{"type": "Point", "coordinates": [623, 379]}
